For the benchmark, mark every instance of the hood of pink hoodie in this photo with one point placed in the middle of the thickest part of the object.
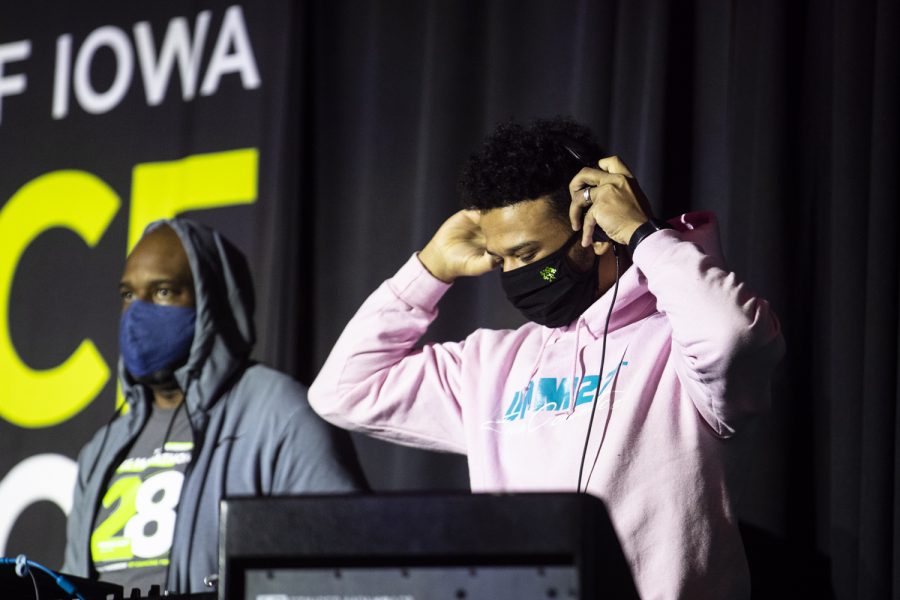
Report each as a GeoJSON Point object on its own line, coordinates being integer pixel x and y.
{"type": "Point", "coordinates": [634, 301]}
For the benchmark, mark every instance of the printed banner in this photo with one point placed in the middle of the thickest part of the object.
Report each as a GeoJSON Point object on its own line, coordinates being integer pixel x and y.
{"type": "Point", "coordinates": [112, 115]}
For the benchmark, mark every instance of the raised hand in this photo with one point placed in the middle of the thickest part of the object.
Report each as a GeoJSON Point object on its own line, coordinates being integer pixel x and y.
{"type": "Point", "coordinates": [614, 201]}
{"type": "Point", "coordinates": [457, 248]}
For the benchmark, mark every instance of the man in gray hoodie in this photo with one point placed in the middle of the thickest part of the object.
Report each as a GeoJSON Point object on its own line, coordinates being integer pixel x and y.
{"type": "Point", "coordinates": [203, 421]}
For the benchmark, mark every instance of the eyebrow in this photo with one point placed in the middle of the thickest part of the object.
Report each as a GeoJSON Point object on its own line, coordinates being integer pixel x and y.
{"type": "Point", "coordinates": [515, 249]}
{"type": "Point", "coordinates": [155, 282]}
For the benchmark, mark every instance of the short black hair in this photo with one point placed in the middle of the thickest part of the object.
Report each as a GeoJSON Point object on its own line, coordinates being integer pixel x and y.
{"type": "Point", "coordinates": [517, 163]}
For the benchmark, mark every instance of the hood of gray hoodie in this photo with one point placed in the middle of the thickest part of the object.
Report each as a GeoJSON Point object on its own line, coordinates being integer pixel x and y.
{"type": "Point", "coordinates": [224, 334]}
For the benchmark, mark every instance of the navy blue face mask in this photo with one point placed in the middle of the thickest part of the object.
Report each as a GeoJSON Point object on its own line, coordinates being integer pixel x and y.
{"type": "Point", "coordinates": [154, 337]}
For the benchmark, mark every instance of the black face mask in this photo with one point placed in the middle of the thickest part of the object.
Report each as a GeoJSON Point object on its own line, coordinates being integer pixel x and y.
{"type": "Point", "coordinates": [551, 291]}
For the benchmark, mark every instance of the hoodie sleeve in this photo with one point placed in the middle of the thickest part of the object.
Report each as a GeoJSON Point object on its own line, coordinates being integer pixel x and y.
{"type": "Point", "coordinates": [75, 560]}
{"type": "Point", "coordinates": [725, 340]}
{"type": "Point", "coordinates": [314, 457]}
{"type": "Point", "coordinates": [72, 558]}
{"type": "Point", "coordinates": [376, 382]}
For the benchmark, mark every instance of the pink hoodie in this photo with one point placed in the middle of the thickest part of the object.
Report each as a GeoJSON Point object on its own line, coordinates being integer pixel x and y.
{"type": "Point", "coordinates": [689, 358]}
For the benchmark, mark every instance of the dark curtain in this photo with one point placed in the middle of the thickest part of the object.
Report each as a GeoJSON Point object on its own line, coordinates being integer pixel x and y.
{"type": "Point", "coordinates": [780, 116]}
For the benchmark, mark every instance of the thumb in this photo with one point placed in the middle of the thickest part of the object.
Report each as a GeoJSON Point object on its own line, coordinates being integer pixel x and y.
{"type": "Point", "coordinates": [614, 164]}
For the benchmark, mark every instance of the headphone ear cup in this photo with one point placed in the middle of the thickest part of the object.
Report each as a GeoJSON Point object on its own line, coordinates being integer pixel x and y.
{"type": "Point", "coordinates": [600, 235]}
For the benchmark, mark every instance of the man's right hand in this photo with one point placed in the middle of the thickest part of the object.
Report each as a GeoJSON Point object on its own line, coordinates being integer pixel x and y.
{"type": "Point", "coordinates": [458, 248]}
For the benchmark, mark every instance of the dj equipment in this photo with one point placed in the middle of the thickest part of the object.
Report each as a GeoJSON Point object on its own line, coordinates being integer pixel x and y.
{"type": "Point", "coordinates": [16, 582]}
{"type": "Point", "coordinates": [414, 547]}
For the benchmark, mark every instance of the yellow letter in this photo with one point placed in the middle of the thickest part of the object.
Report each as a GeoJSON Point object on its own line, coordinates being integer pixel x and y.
{"type": "Point", "coordinates": [85, 204]}
{"type": "Point", "coordinates": [163, 190]}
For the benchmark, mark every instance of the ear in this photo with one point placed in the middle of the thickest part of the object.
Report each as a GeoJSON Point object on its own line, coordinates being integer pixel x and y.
{"type": "Point", "coordinates": [601, 248]}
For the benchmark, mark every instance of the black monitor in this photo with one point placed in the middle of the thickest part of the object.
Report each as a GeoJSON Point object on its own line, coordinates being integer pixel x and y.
{"type": "Point", "coordinates": [417, 546]}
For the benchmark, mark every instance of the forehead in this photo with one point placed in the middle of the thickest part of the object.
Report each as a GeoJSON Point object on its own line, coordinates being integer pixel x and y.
{"type": "Point", "coordinates": [160, 254]}
{"type": "Point", "coordinates": [527, 221]}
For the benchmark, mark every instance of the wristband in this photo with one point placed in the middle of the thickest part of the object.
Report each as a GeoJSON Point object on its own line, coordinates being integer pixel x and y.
{"type": "Point", "coordinates": [651, 226]}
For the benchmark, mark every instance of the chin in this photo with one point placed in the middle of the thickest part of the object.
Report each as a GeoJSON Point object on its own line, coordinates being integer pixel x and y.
{"type": "Point", "coordinates": [162, 380]}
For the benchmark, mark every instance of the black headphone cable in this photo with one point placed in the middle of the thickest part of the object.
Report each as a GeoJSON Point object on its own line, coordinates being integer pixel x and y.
{"type": "Point", "coordinates": [587, 436]}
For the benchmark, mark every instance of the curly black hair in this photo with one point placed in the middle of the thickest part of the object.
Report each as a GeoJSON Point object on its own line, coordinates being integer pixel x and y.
{"type": "Point", "coordinates": [517, 163]}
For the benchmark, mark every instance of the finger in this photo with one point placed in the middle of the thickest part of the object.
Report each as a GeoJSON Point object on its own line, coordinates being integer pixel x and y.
{"type": "Point", "coordinates": [481, 264]}
{"type": "Point", "coordinates": [465, 223]}
{"type": "Point", "coordinates": [587, 231]}
{"type": "Point", "coordinates": [472, 213]}
{"type": "Point", "coordinates": [589, 177]}
{"type": "Point", "coordinates": [614, 165]}
{"type": "Point", "coordinates": [580, 201]}
{"type": "Point", "coordinates": [473, 216]}
{"type": "Point", "coordinates": [584, 178]}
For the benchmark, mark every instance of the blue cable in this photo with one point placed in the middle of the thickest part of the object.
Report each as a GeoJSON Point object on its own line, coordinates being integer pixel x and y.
{"type": "Point", "coordinates": [21, 563]}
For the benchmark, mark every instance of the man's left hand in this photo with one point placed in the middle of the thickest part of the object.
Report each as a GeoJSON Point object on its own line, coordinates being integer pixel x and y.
{"type": "Point", "coordinates": [614, 204]}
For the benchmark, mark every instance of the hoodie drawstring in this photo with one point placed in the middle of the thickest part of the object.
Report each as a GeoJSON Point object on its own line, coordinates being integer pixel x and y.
{"type": "Point", "coordinates": [535, 365]}
{"type": "Point", "coordinates": [192, 378]}
{"type": "Point", "coordinates": [572, 383]}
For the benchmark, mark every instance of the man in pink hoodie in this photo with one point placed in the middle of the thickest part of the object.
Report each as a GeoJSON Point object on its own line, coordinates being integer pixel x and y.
{"type": "Point", "coordinates": [644, 360]}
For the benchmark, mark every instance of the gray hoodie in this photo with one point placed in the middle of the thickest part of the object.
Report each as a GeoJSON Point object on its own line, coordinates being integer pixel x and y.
{"type": "Point", "coordinates": [255, 434]}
